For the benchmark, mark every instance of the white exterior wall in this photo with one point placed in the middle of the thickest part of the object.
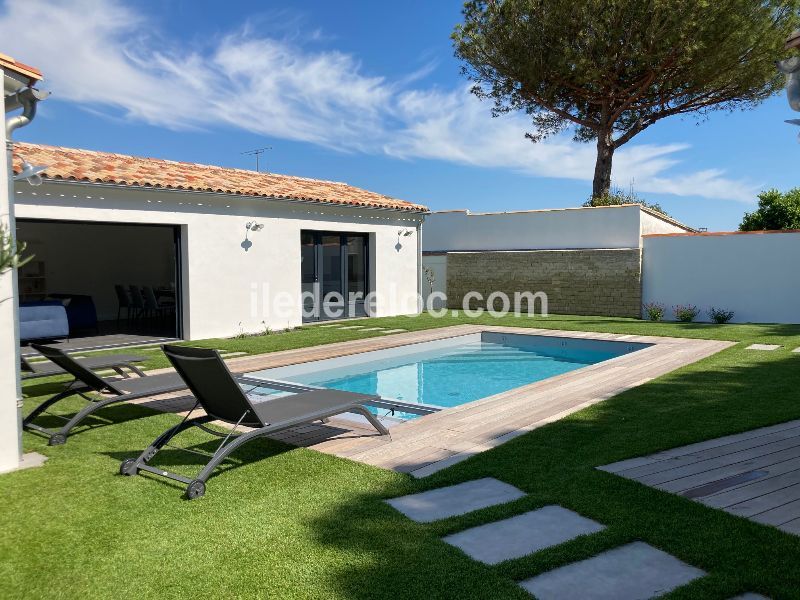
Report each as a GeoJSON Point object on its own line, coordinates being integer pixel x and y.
{"type": "Point", "coordinates": [437, 263]}
{"type": "Point", "coordinates": [559, 229]}
{"type": "Point", "coordinates": [223, 285]}
{"type": "Point", "coordinates": [754, 275]}
{"type": "Point", "coordinates": [10, 392]}
{"type": "Point", "coordinates": [651, 224]}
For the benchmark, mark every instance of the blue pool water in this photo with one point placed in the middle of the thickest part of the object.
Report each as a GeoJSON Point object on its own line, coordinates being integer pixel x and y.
{"type": "Point", "coordinates": [454, 375]}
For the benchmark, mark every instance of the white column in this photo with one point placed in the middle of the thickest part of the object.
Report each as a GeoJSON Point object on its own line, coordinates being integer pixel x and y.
{"type": "Point", "coordinates": [10, 391]}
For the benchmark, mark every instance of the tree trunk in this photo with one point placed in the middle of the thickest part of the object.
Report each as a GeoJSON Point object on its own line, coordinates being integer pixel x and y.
{"type": "Point", "coordinates": [602, 169]}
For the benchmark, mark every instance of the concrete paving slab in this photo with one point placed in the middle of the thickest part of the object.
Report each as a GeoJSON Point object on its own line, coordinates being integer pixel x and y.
{"type": "Point", "coordinates": [750, 596]}
{"type": "Point", "coordinates": [374, 329]}
{"type": "Point", "coordinates": [455, 499]}
{"type": "Point", "coordinates": [524, 534]}
{"type": "Point", "coordinates": [632, 572]}
{"type": "Point", "coordinates": [763, 347]}
{"type": "Point", "coordinates": [32, 459]}
{"type": "Point", "coordinates": [352, 327]}
{"type": "Point", "coordinates": [28, 460]}
{"type": "Point", "coordinates": [395, 330]}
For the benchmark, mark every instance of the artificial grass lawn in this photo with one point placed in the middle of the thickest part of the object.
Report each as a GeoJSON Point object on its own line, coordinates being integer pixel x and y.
{"type": "Point", "coordinates": [293, 523]}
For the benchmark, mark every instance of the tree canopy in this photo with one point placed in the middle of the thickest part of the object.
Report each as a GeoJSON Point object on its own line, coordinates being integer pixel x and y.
{"type": "Point", "coordinates": [609, 69]}
{"type": "Point", "coordinates": [775, 211]}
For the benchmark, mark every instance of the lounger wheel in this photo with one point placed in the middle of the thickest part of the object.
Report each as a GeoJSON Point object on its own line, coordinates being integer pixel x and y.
{"type": "Point", "coordinates": [128, 467]}
{"type": "Point", "coordinates": [195, 489]}
{"type": "Point", "coordinates": [57, 439]}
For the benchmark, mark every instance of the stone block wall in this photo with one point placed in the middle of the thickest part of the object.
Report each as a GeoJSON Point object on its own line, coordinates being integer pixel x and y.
{"type": "Point", "coordinates": [577, 282]}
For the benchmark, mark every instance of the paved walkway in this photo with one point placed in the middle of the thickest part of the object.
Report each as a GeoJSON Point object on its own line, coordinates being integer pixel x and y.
{"type": "Point", "coordinates": [755, 474]}
{"type": "Point", "coordinates": [344, 326]}
{"type": "Point", "coordinates": [456, 499]}
{"type": "Point", "coordinates": [633, 571]}
{"type": "Point", "coordinates": [629, 572]}
{"type": "Point", "coordinates": [523, 534]}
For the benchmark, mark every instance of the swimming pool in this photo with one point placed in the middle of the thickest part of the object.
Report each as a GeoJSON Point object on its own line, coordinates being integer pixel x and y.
{"type": "Point", "coordinates": [453, 371]}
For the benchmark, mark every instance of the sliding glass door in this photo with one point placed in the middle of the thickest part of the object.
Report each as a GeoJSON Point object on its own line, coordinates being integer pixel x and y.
{"type": "Point", "coordinates": [334, 269]}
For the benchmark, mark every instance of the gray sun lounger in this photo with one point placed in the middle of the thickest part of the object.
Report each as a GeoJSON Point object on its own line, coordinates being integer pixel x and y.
{"type": "Point", "coordinates": [116, 390]}
{"type": "Point", "coordinates": [220, 394]}
{"type": "Point", "coordinates": [116, 362]}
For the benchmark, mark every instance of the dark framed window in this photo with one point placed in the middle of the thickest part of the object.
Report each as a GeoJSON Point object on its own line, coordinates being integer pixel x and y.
{"type": "Point", "coordinates": [334, 264]}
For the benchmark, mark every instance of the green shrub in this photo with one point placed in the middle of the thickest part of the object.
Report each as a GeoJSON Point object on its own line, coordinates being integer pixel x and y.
{"type": "Point", "coordinates": [720, 316]}
{"type": "Point", "coordinates": [11, 251]}
{"type": "Point", "coordinates": [654, 311]}
{"type": "Point", "coordinates": [617, 196]}
{"type": "Point", "coordinates": [686, 313]}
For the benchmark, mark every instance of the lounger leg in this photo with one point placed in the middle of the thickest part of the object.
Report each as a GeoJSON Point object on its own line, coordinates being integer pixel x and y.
{"type": "Point", "coordinates": [374, 421]}
{"type": "Point", "coordinates": [223, 452]}
{"type": "Point", "coordinates": [121, 372]}
{"type": "Point", "coordinates": [60, 437]}
{"type": "Point", "coordinates": [226, 450]}
{"type": "Point", "coordinates": [131, 466]}
{"type": "Point", "coordinates": [136, 370]}
{"type": "Point", "coordinates": [27, 422]}
{"type": "Point", "coordinates": [196, 487]}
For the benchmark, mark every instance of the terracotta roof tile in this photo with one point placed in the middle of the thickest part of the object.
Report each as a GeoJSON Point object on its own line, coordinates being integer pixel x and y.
{"type": "Point", "coordinates": [71, 164]}
{"type": "Point", "coordinates": [8, 63]}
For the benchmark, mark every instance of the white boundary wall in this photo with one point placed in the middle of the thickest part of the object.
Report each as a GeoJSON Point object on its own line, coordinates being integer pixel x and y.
{"type": "Point", "coordinates": [556, 229]}
{"type": "Point", "coordinates": [756, 275]}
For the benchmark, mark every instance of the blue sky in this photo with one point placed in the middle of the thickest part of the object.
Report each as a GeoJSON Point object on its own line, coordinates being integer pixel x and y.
{"type": "Point", "coordinates": [356, 91]}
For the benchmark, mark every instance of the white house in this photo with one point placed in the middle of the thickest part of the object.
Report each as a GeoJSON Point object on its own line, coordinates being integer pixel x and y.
{"type": "Point", "coordinates": [237, 250]}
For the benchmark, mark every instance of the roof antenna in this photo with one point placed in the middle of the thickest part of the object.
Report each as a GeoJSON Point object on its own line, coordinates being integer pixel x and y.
{"type": "Point", "coordinates": [257, 153]}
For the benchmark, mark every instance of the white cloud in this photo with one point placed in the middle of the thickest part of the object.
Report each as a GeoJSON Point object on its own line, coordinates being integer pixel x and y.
{"type": "Point", "coordinates": [105, 55]}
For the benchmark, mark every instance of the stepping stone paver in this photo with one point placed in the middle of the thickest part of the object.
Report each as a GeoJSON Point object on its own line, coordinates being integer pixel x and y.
{"type": "Point", "coordinates": [521, 535]}
{"type": "Point", "coordinates": [796, 350]}
{"type": "Point", "coordinates": [763, 347]}
{"type": "Point", "coordinates": [395, 330]}
{"type": "Point", "coordinates": [381, 329]}
{"type": "Point", "coordinates": [353, 327]}
{"type": "Point", "coordinates": [455, 499]}
{"type": "Point", "coordinates": [631, 572]}
{"type": "Point", "coordinates": [750, 596]}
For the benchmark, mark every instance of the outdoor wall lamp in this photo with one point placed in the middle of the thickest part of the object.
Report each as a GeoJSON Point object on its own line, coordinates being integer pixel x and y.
{"type": "Point", "coordinates": [250, 226]}
{"type": "Point", "coordinates": [401, 234]}
{"type": "Point", "coordinates": [30, 173]}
